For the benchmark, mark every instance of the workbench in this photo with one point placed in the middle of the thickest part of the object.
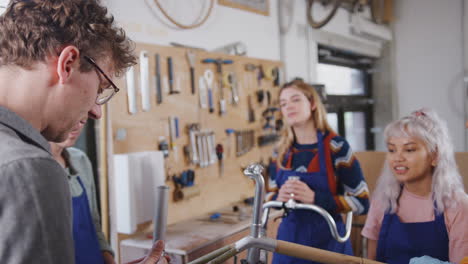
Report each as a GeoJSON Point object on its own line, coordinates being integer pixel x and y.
{"type": "Point", "coordinates": [193, 238]}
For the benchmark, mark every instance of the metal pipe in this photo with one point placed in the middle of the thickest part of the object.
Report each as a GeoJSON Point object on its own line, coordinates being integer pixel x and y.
{"type": "Point", "coordinates": [264, 243]}
{"type": "Point", "coordinates": [160, 213]}
{"type": "Point", "coordinates": [254, 172]}
{"type": "Point", "coordinates": [212, 255]}
{"type": "Point", "coordinates": [330, 221]}
{"type": "Point", "coordinates": [265, 216]}
{"type": "Point", "coordinates": [225, 256]}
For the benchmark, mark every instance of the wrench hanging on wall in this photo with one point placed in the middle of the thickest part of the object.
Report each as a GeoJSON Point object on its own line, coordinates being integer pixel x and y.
{"type": "Point", "coordinates": [219, 70]}
{"type": "Point", "coordinates": [158, 79]}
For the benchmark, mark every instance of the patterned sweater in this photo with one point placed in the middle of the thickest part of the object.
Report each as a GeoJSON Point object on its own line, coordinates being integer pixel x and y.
{"type": "Point", "coordinates": [350, 191]}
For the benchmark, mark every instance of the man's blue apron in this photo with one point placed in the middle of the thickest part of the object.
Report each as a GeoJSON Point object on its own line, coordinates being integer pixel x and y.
{"type": "Point", "coordinates": [399, 242]}
{"type": "Point", "coordinates": [307, 227]}
{"type": "Point", "coordinates": [87, 250]}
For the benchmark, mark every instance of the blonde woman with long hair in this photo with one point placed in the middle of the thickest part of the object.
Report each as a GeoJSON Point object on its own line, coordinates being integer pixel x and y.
{"type": "Point", "coordinates": [328, 173]}
{"type": "Point", "coordinates": [419, 207]}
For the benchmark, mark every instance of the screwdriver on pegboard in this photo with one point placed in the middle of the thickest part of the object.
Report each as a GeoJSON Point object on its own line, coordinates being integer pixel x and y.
{"type": "Point", "coordinates": [219, 154]}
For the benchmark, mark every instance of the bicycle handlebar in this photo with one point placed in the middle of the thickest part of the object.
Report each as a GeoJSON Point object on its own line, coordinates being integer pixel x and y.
{"type": "Point", "coordinates": [291, 204]}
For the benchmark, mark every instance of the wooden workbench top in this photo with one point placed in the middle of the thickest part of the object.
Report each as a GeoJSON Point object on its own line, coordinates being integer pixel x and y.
{"type": "Point", "coordinates": [185, 237]}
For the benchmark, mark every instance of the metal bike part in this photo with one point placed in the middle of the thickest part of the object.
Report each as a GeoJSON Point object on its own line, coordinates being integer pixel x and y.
{"type": "Point", "coordinates": [160, 213]}
{"type": "Point", "coordinates": [330, 221]}
{"type": "Point", "coordinates": [254, 172]}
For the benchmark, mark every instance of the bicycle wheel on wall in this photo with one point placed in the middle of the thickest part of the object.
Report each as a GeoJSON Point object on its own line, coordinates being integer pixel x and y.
{"type": "Point", "coordinates": [320, 12]}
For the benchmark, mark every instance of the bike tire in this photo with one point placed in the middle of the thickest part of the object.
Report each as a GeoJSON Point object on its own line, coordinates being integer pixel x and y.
{"type": "Point", "coordinates": [318, 24]}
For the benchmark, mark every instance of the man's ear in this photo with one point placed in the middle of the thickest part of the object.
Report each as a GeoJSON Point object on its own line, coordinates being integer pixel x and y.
{"type": "Point", "coordinates": [68, 61]}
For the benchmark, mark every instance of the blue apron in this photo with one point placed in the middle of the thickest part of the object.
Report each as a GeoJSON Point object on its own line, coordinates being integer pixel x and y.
{"type": "Point", "coordinates": [87, 249]}
{"type": "Point", "coordinates": [399, 242]}
{"type": "Point", "coordinates": [306, 227]}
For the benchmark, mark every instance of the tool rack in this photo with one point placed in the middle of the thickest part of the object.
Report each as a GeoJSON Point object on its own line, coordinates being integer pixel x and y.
{"type": "Point", "coordinates": [141, 128]}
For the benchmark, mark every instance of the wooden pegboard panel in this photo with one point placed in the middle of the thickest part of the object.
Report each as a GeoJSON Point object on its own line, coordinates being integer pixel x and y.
{"type": "Point", "coordinates": [143, 129]}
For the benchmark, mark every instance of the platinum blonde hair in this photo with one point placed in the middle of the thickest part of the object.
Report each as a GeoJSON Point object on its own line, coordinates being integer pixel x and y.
{"type": "Point", "coordinates": [447, 184]}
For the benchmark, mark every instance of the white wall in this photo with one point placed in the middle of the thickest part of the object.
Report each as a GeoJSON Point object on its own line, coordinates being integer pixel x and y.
{"type": "Point", "coordinates": [429, 61]}
{"type": "Point", "coordinates": [3, 4]}
{"type": "Point", "coordinates": [300, 42]}
{"type": "Point", "coordinates": [226, 25]}
{"type": "Point", "coordinates": [144, 23]}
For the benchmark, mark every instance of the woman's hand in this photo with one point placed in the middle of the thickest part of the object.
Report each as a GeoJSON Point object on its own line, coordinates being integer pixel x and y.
{"type": "Point", "coordinates": [108, 258]}
{"type": "Point", "coordinates": [297, 190]}
{"type": "Point", "coordinates": [155, 256]}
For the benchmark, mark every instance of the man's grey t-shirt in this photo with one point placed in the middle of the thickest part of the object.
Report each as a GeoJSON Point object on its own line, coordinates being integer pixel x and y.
{"type": "Point", "coordinates": [35, 202]}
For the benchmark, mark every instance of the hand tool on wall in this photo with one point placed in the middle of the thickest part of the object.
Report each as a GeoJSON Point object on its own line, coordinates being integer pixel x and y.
{"type": "Point", "coordinates": [202, 93]}
{"type": "Point", "coordinates": [269, 115]}
{"type": "Point", "coordinates": [176, 127]}
{"type": "Point", "coordinates": [219, 70]}
{"type": "Point", "coordinates": [206, 149]}
{"type": "Point", "coordinates": [230, 80]}
{"type": "Point", "coordinates": [185, 179]}
{"type": "Point", "coordinates": [209, 76]}
{"type": "Point", "coordinates": [172, 137]}
{"type": "Point", "coordinates": [260, 75]}
{"type": "Point", "coordinates": [193, 129]}
{"type": "Point", "coordinates": [185, 185]}
{"type": "Point", "coordinates": [170, 72]}
{"type": "Point", "coordinates": [251, 112]}
{"type": "Point", "coordinates": [163, 146]}
{"type": "Point", "coordinates": [211, 147]}
{"type": "Point", "coordinates": [201, 153]}
{"type": "Point", "coordinates": [229, 132]}
{"type": "Point", "coordinates": [172, 131]}
{"type": "Point", "coordinates": [250, 67]}
{"type": "Point", "coordinates": [158, 79]}
{"type": "Point", "coordinates": [238, 143]}
{"type": "Point", "coordinates": [144, 81]}
{"type": "Point", "coordinates": [219, 154]}
{"type": "Point", "coordinates": [276, 81]}
{"type": "Point", "coordinates": [269, 72]}
{"type": "Point", "coordinates": [191, 60]}
{"type": "Point", "coordinates": [267, 139]}
{"type": "Point", "coordinates": [131, 90]}
{"type": "Point", "coordinates": [245, 141]}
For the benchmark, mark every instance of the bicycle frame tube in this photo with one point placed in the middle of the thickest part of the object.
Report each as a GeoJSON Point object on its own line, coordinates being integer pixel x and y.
{"type": "Point", "coordinates": [291, 204]}
{"type": "Point", "coordinates": [254, 172]}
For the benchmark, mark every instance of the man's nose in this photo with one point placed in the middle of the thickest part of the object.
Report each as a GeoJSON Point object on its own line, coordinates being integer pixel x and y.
{"type": "Point", "coordinates": [95, 112]}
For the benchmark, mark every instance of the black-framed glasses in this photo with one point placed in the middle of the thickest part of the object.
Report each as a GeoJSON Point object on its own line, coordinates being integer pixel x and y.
{"type": "Point", "coordinates": [104, 94]}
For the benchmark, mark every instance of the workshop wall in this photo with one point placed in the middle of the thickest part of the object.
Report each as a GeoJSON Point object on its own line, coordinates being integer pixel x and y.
{"type": "Point", "coordinates": [3, 4]}
{"type": "Point", "coordinates": [225, 25]}
{"type": "Point", "coordinates": [428, 61]}
{"type": "Point", "coordinates": [215, 185]}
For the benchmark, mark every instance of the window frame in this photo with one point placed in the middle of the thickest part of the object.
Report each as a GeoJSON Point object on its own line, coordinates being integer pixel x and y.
{"type": "Point", "coordinates": [340, 104]}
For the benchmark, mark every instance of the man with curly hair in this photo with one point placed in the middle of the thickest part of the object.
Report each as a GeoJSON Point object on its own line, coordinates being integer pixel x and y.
{"type": "Point", "coordinates": [57, 61]}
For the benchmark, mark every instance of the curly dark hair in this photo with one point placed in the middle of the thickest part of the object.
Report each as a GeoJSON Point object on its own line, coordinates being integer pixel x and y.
{"type": "Point", "coordinates": [32, 30]}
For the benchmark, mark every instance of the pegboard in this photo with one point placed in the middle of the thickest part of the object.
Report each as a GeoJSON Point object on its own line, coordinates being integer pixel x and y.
{"type": "Point", "coordinates": [141, 131]}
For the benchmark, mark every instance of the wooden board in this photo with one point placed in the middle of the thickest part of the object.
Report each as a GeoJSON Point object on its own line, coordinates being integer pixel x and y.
{"type": "Point", "coordinates": [143, 129]}
{"type": "Point", "coordinates": [261, 7]}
